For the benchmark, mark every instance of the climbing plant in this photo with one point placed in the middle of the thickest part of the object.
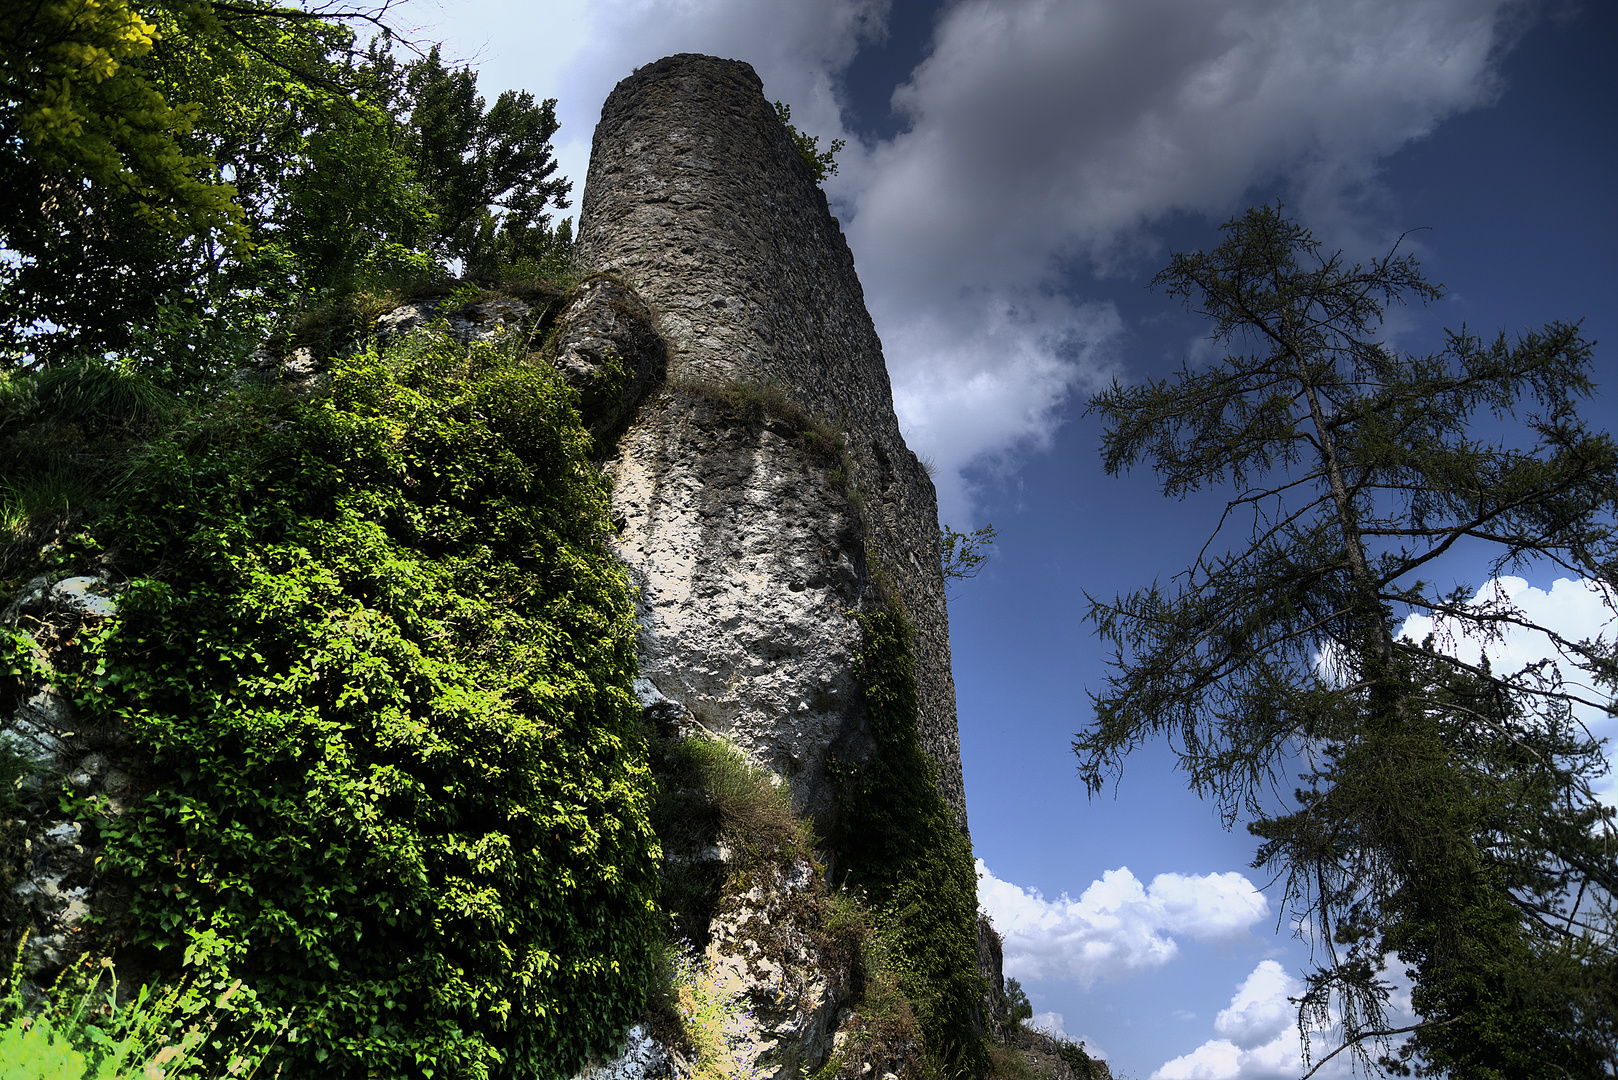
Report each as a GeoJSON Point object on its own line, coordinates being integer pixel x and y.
{"type": "Point", "coordinates": [378, 660]}
{"type": "Point", "coordinates": [897, 840]}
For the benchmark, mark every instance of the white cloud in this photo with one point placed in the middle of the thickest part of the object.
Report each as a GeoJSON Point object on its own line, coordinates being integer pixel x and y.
{"type": "Point", "coordinates": [998, 368]}
{"type": "Point", "coordinates": [1042, 136]}
{"type": "Point", "coordinates": [1117, 926]}
{"type": "Point", "coordinates": [1258, 1033]}
{"type": "Point", "coordinates": [1050, 1023]}
{"type": "Point", "coordinates": [1260, 1010]}
{"type": "Point", "coordinates": [1049, 135]}
{"type": "Point", "coordinates": [1575, 610]}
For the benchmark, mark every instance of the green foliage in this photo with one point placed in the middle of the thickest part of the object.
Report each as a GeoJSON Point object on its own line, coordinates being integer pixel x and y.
{"type": "Point", "coordinates": [1446, 811]}
{"type": "Point", "coordinates": [487, 171]}
{"type": "Point", "coordinates": [79, 107]}
{"type": "Point", "coordinates": [379, 659]}
{"type": "Point", "coordinates": [137, 243]}
{"type": "Point", "coordinates": [884, 1031]}
{"type": "Point", "coordinates": [822, 163]}
{"type": "Point", "coordinates": [348, 171]}
{"type": "Point", "coordinates": [1077, 1060]}
{"type": "Point", "coordinates": [964, 554]}
{"type": "Point", "coordinates": [897, 842]}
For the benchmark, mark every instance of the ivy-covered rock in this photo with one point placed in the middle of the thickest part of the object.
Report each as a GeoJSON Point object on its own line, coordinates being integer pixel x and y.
{"type": "Point", "coordinates": [377, 661]}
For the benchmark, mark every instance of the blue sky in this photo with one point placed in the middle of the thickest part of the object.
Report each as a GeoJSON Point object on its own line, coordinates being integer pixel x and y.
{"type": "Point", "coordinates": [1015, 174]}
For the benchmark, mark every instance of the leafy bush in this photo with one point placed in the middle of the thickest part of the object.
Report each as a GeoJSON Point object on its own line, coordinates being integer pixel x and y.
{"type": "Point", "coordinates": [821, 163]}
{"type": "Point", "coordinates": [380, 660]}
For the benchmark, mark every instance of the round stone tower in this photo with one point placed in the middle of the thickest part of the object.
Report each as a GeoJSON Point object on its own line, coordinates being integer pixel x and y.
{"type": "Point", "coordinates": [752, 555]}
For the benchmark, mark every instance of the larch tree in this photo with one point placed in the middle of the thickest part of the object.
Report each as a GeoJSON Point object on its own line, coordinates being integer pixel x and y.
{"type": "Point", "coordinates": [1444, 816]}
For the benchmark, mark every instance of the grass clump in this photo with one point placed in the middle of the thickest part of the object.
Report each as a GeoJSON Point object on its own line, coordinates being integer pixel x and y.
{"type": "Point", "coordinates": [885, 1032]}
{"type": "Point", "coordinates": [82, 1031]}
{"type": "Point", "coordinates": [711, 801]}
{"type": "Point", "coordinates": [66, 437]}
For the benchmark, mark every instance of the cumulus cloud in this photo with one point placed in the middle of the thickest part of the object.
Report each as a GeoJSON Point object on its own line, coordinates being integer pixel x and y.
{"type": "Point", "coordinates": [1118, 925]}
{"type": "Point", "coordinates": [1257, 1035]}
{"type": "Point", "coordinates": [1042, 137]}
{"type": "Point", "coordinates": [1579, 610]}
{"type": "Point", "coordinates": [997, 368]}
{"type": "Point", "coordinates": [1260, 1010]}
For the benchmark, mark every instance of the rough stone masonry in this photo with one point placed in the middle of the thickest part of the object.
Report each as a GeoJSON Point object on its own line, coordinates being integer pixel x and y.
{"type": "Point", "coordinates": [747, 554]}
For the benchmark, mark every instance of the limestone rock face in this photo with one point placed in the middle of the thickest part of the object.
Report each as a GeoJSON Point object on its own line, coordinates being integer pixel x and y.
{"type": "Point", "coordinates": [763, 951]}
{"type": "Point", "coordinates": [748, 567]}
{"type": "Point", "coordinates": [698, 196]}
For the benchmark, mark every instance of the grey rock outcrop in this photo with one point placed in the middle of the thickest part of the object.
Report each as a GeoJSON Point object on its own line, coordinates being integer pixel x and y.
{"type": "Point", "coordinates": [483, 320]}
{"type": "Point", "coordinates": [764, 952]}
{"type": "Point", "coordinates": [698, 196]}
{"type": "Point", "coordinates": [52, 871]}
{"type": "Point", "coordinates": [748, 568]}
{"type": "Point", "coordinates": [608, 349]}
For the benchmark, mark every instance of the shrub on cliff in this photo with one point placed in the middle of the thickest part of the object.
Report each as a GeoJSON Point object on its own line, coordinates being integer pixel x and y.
{"type": "Point", "coordinates": [378, 660]}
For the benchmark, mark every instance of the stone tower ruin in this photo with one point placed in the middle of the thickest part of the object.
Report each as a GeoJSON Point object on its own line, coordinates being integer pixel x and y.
{"type": "Point", "coordinates": [751, 556]}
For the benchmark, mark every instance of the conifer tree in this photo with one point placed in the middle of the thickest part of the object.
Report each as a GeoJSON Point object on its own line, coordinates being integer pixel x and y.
{"type": "Point", "coordinates": [1446, 813]}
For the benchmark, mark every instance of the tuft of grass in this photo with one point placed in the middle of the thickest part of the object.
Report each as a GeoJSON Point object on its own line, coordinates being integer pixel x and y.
{"type": "Point", "coordinates": [67, 435]}
{"type": "Point", "coordinates": [33, 505]}
{"type": "Point", "coordinates": [710, 794]}
{"type": "Point", "coordinates": [88, 394]}
{"type": "Point", "coordinates": [773, 398]}
{"type": "Point", "coordinates": [182, 1032]}
{"type": "Point", "coordinates": [712, 1020]}
{"type": "Point", "coordinates": [885, 1034]}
